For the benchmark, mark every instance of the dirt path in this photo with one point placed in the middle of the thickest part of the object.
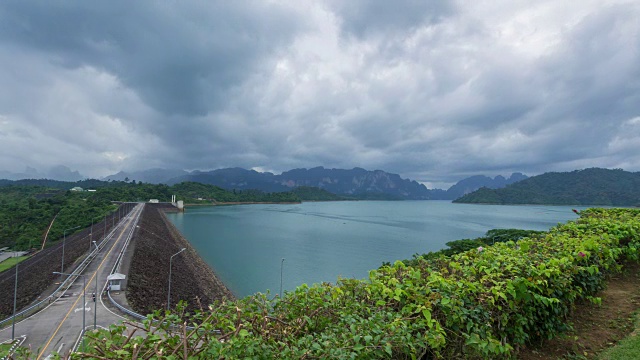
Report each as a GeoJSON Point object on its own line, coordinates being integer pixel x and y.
{"type": "Point", "coordinates": [596, 327]}
{"type": "Point", "coordinates": [44, 241]}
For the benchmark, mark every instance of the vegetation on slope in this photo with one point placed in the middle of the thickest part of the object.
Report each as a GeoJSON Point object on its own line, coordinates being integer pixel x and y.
{"type": "Point", "coordinates": [193, 192]}
{"type": "Point", "coordinates": [459, 246]}
{"type": "Point", "coordinates": [483, 303]}
{"type": "Point", "coordinates": [27, 211]}
{"type": "Point", "coordinates": [308, 193]}
{"type": "Point", "coordinates": [36, 273]}
{"type": "Point", "coordinates": [581, 187]}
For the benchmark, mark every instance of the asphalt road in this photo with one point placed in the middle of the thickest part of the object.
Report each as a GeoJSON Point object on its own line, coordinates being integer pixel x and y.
{"type": "Point", "coordinates": [57, 327]}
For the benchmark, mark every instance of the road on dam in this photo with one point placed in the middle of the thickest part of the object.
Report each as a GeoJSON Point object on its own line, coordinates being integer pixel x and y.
{"type": "Point", "coordinates": [57, 328]}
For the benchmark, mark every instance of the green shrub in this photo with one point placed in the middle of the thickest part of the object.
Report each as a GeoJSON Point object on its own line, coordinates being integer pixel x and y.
{"type": "Point", "coordinates": [481, 303]}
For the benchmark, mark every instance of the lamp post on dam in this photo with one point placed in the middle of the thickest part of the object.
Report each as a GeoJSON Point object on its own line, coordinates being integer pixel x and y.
{"type": "Point", "coordinates": [170, 263]}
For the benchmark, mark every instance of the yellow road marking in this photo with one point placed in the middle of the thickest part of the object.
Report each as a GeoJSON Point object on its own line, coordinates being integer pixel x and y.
{"type": "Point", "coordinates": [87, 284]}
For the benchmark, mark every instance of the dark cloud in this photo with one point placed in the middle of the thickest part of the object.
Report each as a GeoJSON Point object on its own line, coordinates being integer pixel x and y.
{"type": "Point", "coordinates": [434, 91]}
{"type": "Point", "coordinates": [180, 58]}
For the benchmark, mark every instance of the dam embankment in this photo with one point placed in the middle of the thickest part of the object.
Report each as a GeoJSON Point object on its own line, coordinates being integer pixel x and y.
{"type": "Point", "coordinates": [154, 241]}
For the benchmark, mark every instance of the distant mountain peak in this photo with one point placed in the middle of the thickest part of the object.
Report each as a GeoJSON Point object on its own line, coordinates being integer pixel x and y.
{"type": "Point", "coordinates": [473, 183]}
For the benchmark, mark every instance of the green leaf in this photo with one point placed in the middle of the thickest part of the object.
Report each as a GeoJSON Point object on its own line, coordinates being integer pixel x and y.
{"type": "Point", "coordinates": [387, 349]}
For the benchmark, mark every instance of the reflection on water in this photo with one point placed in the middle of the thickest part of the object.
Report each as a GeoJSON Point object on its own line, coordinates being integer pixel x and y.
{"type": "Point", "coordinates": [321, 241]}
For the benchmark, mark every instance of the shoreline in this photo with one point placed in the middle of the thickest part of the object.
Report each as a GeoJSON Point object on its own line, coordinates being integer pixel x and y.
{"type": "Point", "coordinates": [247, 203]}
{"type": "Point", "coordinates": [220, 286]}
{"type": "Point", "coordinates": [156, 242]}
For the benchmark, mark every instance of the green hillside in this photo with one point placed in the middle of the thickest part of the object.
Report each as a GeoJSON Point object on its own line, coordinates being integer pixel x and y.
{"type": "Point", "coordinates": [581, 187]}
{"type": "Point", "coordinates": [308, 193]}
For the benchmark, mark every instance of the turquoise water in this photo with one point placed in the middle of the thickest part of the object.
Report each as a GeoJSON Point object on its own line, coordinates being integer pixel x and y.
{"type": "Point", "coordinates": [321, 241]}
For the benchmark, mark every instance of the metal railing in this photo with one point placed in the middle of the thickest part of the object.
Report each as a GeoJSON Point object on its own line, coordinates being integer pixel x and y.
{"type": "Point", "coordinates": [124, 309]}
{"type": "Point", "coordinates": [116, 268]}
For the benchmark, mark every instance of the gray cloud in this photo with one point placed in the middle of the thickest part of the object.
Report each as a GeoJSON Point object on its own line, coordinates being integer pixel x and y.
{"type": "Point", "coordinates": [363, 17]}
{"type": "Point", "coordinates": [434, 91]}
{"type": "Point", "coordinates": [179, 59]}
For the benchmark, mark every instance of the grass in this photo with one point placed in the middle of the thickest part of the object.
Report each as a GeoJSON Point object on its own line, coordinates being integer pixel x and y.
{"type": "Point", "coordinates": [11, 262]}
{"type": "Point", "coordinates": [4, 349]}
{"type": "Point", "coordinates": [626, 349]}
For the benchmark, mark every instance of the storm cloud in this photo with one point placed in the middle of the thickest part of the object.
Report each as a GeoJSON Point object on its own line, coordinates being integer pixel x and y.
{"type": "Point", "coordinates": [433, 92]}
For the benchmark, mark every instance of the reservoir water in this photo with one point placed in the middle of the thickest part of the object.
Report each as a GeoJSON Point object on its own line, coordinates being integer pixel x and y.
{"type": "Point", "coordinates": [321, 241]}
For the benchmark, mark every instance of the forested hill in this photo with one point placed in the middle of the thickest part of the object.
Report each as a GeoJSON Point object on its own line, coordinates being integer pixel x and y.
{"type": "Point", "coordinates": [580, 187]}
{"type": "Point", "coordinates": [27, 207]}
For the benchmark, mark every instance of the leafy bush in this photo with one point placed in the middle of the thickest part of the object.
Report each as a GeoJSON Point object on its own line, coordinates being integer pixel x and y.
{"type": "Point", "coordinates": [481, 303]}
{"type": "Point", "coordinates": [459, 246]}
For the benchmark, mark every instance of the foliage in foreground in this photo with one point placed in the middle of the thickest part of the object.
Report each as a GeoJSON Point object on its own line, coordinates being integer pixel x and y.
{"type": "Point", "coordinates": [459, 246]}
{"type": "Point", "coordinates": [482, 303]}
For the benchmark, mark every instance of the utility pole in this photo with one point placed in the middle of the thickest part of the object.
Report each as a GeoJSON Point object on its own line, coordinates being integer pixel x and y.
{"type": "Point", "coordinates": [15, 293]}
{"type": "Point", "coordinates": [281, 267]}
{"type": "Point", "coordinates": [95, 295]}
{"type": "Point", "coordinates": [170, 263]}
{"type": "Point", "coordinates": [91, 235]}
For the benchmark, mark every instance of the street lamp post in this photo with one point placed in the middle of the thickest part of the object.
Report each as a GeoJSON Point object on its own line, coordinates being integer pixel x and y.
{"type": "Point", "coordinates": [95, 297]}
{"type": "Point", "coordinates": [91, 235]}
{"type": "Point", "coordinates": [64, 240]}
{"type": "Point", "coordinates": [15, 293]}
{"type": "Point", "coordinates": [281, 266]}
{"type": "Point", "coordinates": [84, 301]}
{"type": "Point", "coordinates": [170, 263]}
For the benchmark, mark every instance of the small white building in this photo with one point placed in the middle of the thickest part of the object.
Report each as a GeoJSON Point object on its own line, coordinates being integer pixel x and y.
{"type": "Point", "coordinates": [77, 188]}
{"type": "Point", "coordinates": [115, 281]}
{"type": "Point", "coordinates": [154, 201]}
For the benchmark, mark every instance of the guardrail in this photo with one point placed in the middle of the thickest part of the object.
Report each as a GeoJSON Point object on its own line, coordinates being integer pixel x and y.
{"type": "Point", "coordinates": [124, 309]}
{"type": "Point", "coordinates": [116, 267]}
{"type": "Point", "coordinates": [69, 280]}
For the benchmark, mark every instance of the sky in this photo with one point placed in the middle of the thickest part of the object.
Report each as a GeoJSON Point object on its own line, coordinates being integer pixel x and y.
{"type": "Point", "coordinates": [432, 90]}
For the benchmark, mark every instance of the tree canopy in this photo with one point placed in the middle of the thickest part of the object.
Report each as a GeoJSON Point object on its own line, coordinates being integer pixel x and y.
{"type": "Point", "coordinates": [581, 187]}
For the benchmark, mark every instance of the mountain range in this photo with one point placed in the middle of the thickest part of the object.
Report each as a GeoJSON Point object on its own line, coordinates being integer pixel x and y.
{"type": "Point", "coordinates": [353, 183]}
{"type": "Point", "coordinates": [356, 182]}
{"type": "Point", "coordinates": [592, 186]}
{"type": "Point", "coordinates": [59, 172]}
